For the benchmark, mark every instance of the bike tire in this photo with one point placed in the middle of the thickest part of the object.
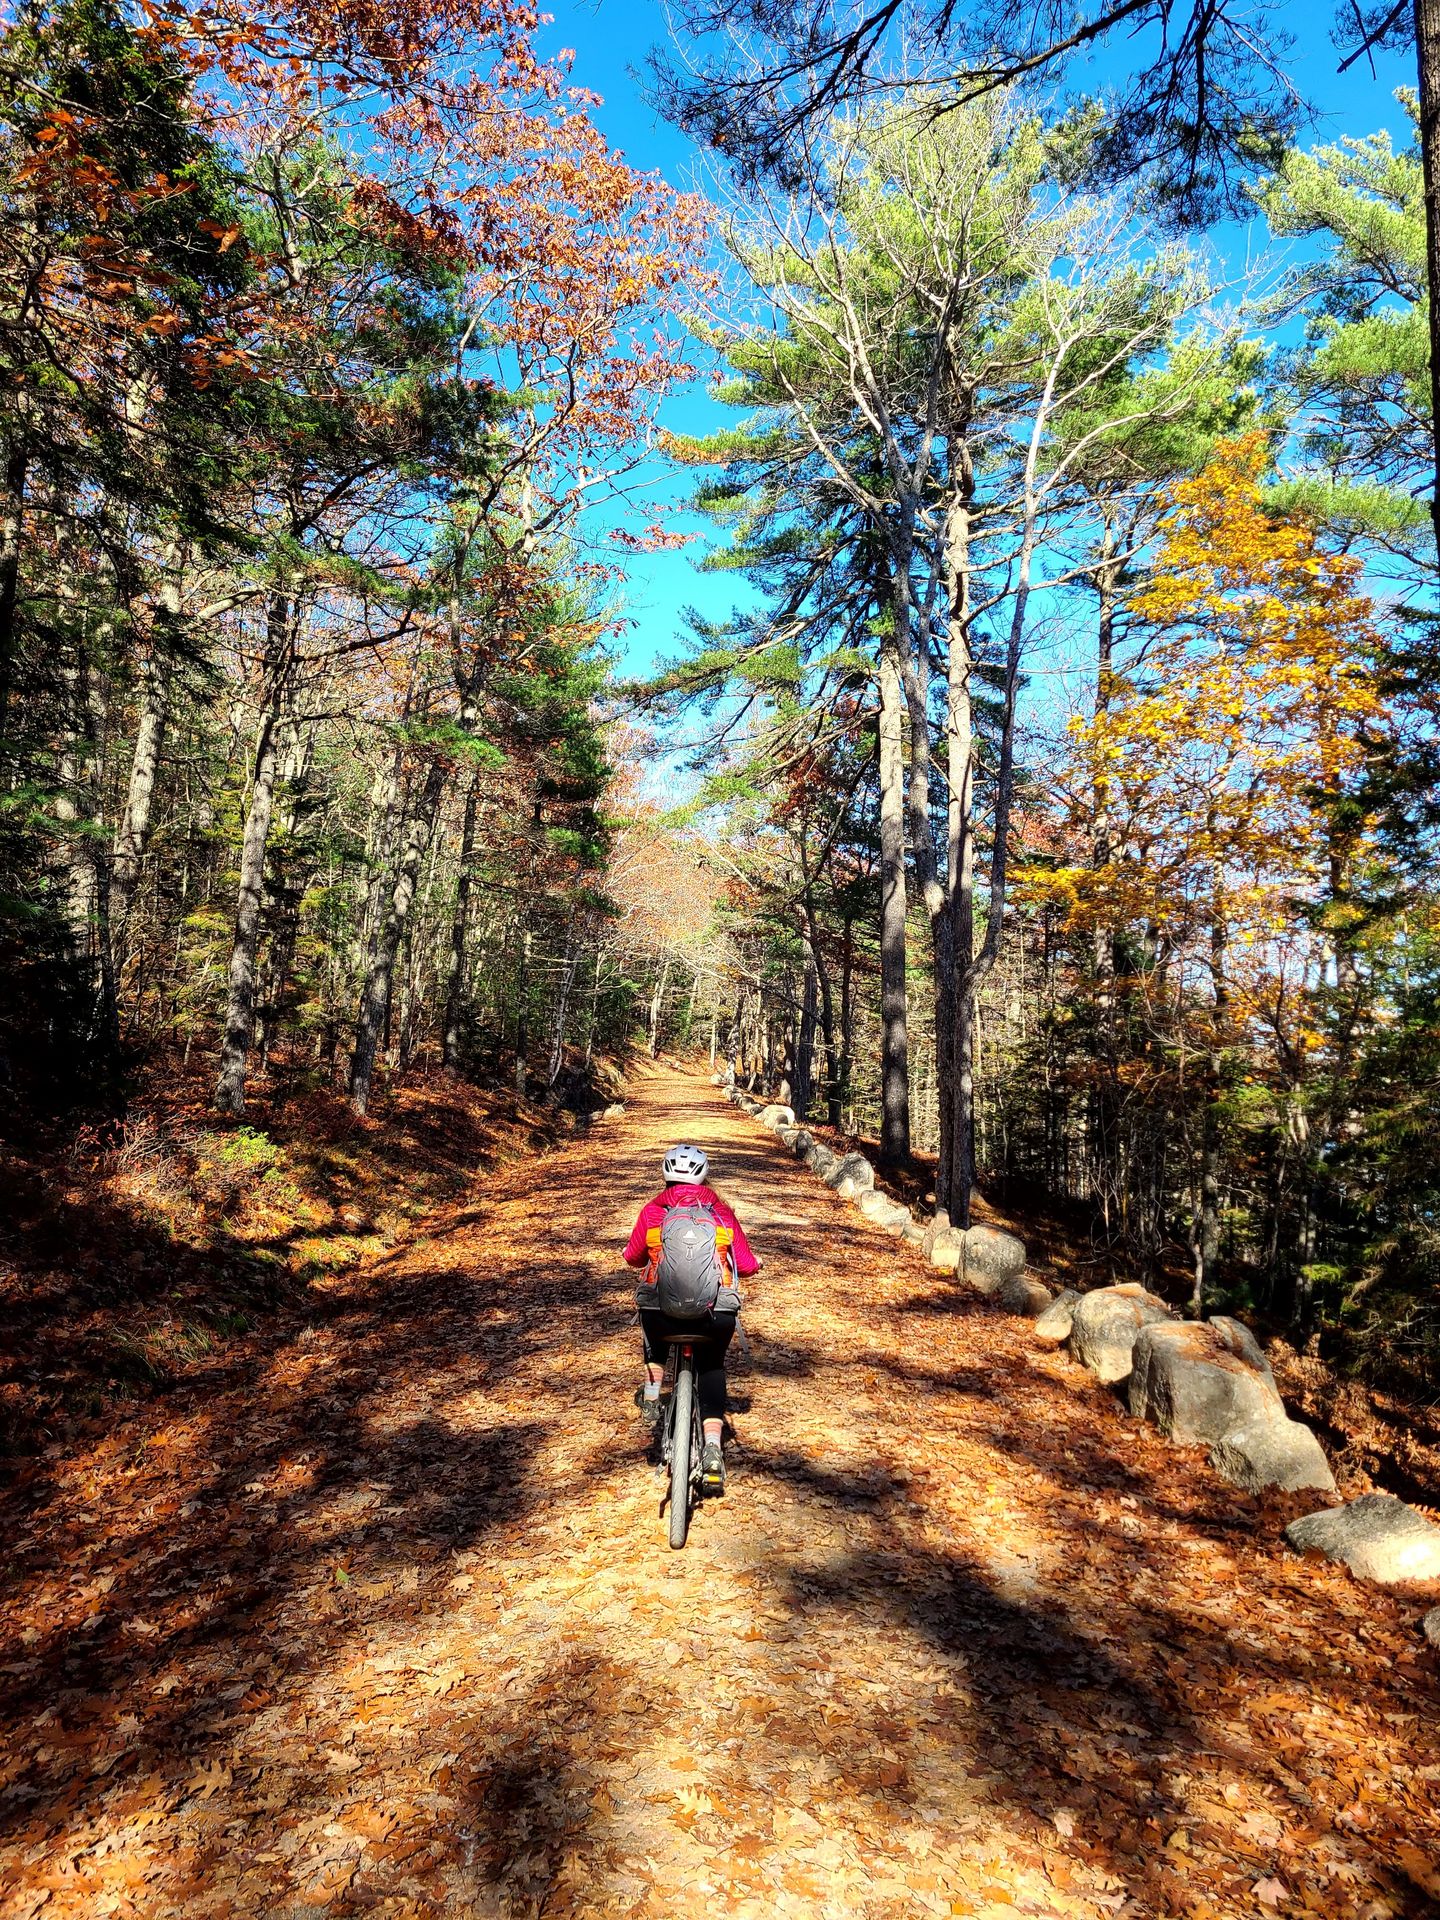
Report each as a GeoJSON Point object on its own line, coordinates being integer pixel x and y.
{"type": "Point", "coordinates": [682, 1434]}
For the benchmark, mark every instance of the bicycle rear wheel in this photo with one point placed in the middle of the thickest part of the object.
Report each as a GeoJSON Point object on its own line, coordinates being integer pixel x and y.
{"type": "Point", "coordinates": [682, 1433]}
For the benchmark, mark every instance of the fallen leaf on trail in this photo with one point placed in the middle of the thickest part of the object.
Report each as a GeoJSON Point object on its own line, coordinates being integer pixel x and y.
{"type": "Point", "coordinates": [793, 1823]}
{"type": "Point", "coordinates": [1420, 1867]}
{"type": "Point", "coordinates": [1271, 1892]}
{"type": "Point", "coordinates": [374, 1823]}
{"type": "Point", "coordinates": [1064, 1821]}
{"type": "Point", "coordinates": [331, 1885]}
{"type": "Point", "coordinates": [210, 1779]}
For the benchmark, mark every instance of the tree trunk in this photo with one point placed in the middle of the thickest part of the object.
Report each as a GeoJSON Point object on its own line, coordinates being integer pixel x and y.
{"type": "Point", "coordinates": [522, 1017]}
{"type": "Point", "coordinates": [841, 1091]}
{"type": "Point", "coordinates": [386, 808]}
{"type": "Point", "coordinates": [133, 834]}
{"type": "Point", "coordinates": [657, 1005]}
{"type": "Point", "coordinates": [821, 971]}
{"type": "Point", "coordinates": [955, 930]}
{"type": "Point", "coordinates": [1206, 1242]}
{"type": "Point", "coordinates": [972, 974]}
{"type": "Point", "coordinates": [802, 1075]}
{"type": "Point", "coordinates": [1427, 63]}
{"type": "Point", "coordinates": [12, 519]}
{"type": "Point", "coordinates": [373, 1017]}
{"type": "Point", "coordinates": [240, 994]}
{"type": "Point", "coordinates": [591, 1031]}
{"type": "Point", "coordinates": [690, 1007]}
{"type": "Point", "coordinates": [894, 1045]}
{"type": "Point", "coordinates": [86, 872]}
{"type": "Point", "coordinates": [567, 978]}
{"type": "Point", "coordinates": [374, 1013]}
{"type": "Point", "coordinates": [1107, 581]}
{"type": "Point", "coordinates": [287, 886]}
{"type": "Point", "coordinates": [460, 934]}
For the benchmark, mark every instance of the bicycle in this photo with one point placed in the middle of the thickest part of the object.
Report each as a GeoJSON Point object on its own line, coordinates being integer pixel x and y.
{"type": "Point", "coordinates": [681, 1435]}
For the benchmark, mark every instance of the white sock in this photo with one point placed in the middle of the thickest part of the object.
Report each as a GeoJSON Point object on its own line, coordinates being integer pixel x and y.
{"type": "Point", "coordinates": [652, 1389]}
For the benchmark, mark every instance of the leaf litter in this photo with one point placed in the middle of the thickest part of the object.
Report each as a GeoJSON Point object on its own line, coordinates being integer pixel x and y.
{"type": "Point", "coordinates": [387, 1625]}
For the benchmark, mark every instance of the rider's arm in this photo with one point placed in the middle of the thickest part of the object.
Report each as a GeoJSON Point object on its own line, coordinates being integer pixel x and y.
{"type": "Point", "coordinates": [745, 1261]}
{"type": "Point", "coordinates": [636, 1252]}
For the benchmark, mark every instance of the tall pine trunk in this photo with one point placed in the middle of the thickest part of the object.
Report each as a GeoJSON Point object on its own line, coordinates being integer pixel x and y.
{"type": "Point", "coordinates": [894, 1042]}
{"type": "Point", "coordinates": [955, 931]}
{"type": "Point", "coordinates": [1427, 64]}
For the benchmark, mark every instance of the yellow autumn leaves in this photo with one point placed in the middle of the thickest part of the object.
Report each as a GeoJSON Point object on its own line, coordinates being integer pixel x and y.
{"type": "Point", "coordinates": [1211, 781]}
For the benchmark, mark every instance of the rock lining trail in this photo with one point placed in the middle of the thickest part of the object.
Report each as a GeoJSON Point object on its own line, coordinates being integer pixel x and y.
{"type": "Point", "coordinates": [389, 1625]}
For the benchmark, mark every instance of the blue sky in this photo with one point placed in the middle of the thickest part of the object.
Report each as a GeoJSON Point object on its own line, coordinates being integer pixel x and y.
{"type": "Point", "coordinates": [611, 39]}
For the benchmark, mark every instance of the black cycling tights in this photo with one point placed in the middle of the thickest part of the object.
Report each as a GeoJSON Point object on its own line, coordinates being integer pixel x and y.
{"type": "Point", "coordinates": [712, 1336]}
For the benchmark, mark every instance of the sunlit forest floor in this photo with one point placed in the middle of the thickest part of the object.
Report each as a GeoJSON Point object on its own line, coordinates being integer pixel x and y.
{"type": "Point", "coordinates": [373, 1613]}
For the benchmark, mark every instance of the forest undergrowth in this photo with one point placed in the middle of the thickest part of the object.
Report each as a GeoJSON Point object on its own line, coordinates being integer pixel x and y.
{"type": "Point", "coordinates": [170, 1244]}
{"type": "Point", "coordinates": [382, 1619]}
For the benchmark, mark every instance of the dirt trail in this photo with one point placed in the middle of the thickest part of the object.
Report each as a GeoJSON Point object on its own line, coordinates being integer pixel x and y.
{"type": "Point", "coordinates": [391, 1626]}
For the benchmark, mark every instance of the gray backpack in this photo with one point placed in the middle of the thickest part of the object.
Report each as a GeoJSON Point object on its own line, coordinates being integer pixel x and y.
{"type": "Point", "coordinates": [691, 1268]}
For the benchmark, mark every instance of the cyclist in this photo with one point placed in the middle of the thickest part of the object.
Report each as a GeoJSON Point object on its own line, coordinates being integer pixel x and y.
{"type": "Point", "coordinates": [685, 1170]}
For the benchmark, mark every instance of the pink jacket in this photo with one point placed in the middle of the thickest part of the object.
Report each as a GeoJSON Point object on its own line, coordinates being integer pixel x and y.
{"type": "Point", "coordinates": [681, 1195]}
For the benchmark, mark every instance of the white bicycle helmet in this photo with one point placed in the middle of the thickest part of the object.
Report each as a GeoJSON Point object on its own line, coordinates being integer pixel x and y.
{"type": "Point", "coordinates": [686, 1163]}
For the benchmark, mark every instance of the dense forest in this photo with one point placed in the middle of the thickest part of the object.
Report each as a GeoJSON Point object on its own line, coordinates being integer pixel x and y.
{"type": "Point", "coordinates": [1044, 785]}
